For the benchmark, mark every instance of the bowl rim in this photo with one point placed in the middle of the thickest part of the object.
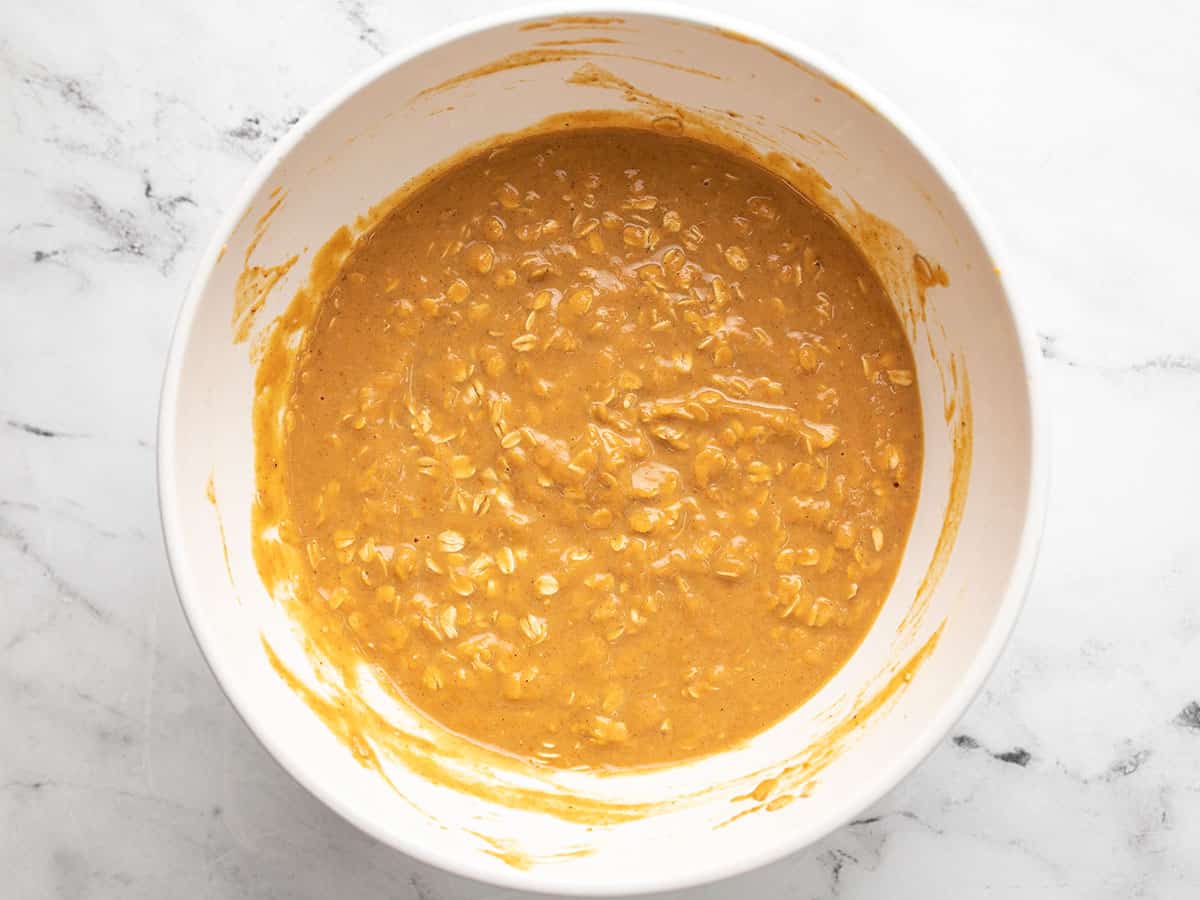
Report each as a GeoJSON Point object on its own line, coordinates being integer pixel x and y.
{"type": "Point", "coordinates": [542, 879]}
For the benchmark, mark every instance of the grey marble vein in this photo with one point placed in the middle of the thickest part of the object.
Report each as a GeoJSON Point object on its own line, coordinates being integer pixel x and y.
{"type": "Point", "coordinates": [357, 15]}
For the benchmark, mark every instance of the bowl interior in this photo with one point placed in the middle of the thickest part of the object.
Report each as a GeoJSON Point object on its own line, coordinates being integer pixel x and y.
{"type": "Point", "coordinates": [959, 587]}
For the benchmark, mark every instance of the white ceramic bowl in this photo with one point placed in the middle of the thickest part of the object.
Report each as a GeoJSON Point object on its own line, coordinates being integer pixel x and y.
{"type": "Point", "coordinates": [883, 712]}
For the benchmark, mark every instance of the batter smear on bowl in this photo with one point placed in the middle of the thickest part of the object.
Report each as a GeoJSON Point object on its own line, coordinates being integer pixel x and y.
{"type": "Point", "coordinates": [603, 448]}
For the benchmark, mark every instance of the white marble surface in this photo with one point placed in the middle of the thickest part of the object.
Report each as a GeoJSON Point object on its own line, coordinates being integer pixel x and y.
{"type": "Point", "coordinates": [126, 128]}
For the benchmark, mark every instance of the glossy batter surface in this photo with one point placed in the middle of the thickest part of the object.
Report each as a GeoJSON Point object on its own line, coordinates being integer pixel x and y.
{"type": "Point", "coordinates": [604, 449]}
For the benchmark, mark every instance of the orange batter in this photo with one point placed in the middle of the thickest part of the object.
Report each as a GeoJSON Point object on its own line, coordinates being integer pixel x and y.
{"type": "Point", "coordinates": [603, 448]}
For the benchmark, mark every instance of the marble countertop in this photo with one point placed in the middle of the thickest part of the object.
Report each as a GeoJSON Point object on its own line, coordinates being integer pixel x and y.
{"type": "Point", "coordinates": [127, 129]}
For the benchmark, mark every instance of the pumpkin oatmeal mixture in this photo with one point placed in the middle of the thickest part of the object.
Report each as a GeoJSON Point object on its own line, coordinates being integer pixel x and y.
{"type": "Point", "coordinates": [603, 449]}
